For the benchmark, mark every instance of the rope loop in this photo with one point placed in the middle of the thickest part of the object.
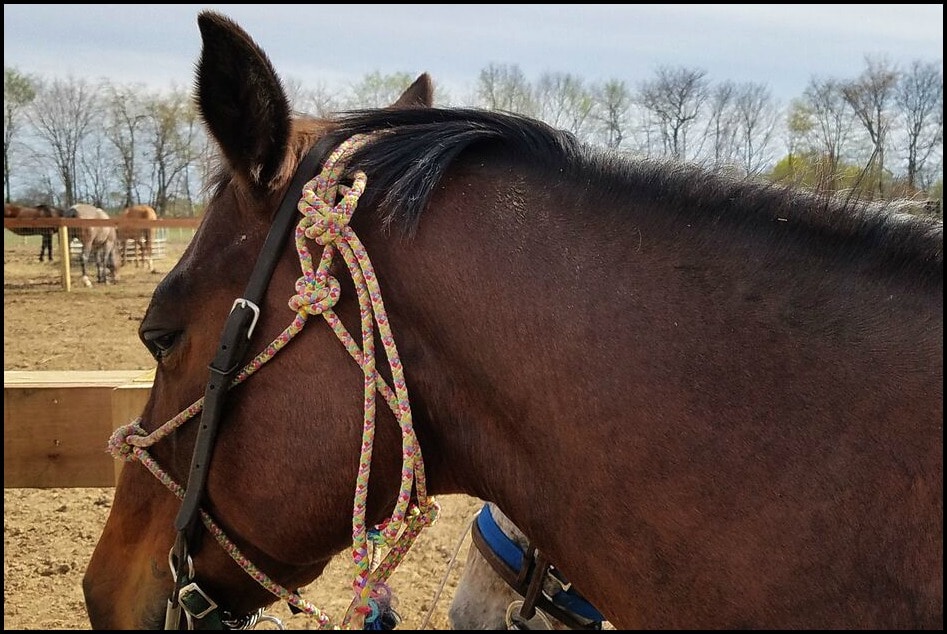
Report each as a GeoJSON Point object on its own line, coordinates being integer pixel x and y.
{"type": "Point", "coordinates": [325, 221]}
{"type": "Point", "coordinates": [327, 207]}
{"type": "Point", "coordinates": [120, 445]}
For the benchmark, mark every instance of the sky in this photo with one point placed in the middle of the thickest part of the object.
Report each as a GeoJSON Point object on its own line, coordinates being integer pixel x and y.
{"type": "Point", "coordinates": [780, 46]}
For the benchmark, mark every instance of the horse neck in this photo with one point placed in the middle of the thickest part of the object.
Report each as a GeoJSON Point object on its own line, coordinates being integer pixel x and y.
{"type": "Point", "coordinates": [549, 350]}
{"type": "Point", "coordinates": [481, 319]}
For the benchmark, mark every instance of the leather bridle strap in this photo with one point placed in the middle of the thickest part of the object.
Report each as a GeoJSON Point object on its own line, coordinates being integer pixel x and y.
{"type": "Point", "coordinates": [234, 342]}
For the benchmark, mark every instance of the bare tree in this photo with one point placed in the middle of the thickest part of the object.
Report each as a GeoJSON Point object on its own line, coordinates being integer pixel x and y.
{"type": "Point", "coordinates": [613, 102]}
{"type": "Point", "coordinates": [377, 91]}
{"type": "Point", "coordinates": [722, 124]}
{"type": "Point", "coordinates": [675, 98]}
{"type": "Point", "coordinates": [18, 93]}
{"type": "Point", "coordinates": [171, 147]}
{"type": "Point", "coordinates": [830, 126]}
{"type": "Point", "coordinates": [504, 87]}
{"type": "Point", "coordinates": [95, 170]}
{"type": "Point", "coordinates": [798, 128]}
{"type": "Point", "coordinates": [63, 116]}
{"type": "Point", "coordinates": [870, 97]}
{"type": "Point", "coordinates": [758, 115]}
{"type": "Point", "coordinates": [564, 102]}
{"type": "Point", "coordinates": [920, 102]}
{"type": "Point", "coordinates": [127, 119]}
{"type": "Point", "coordinates": [317, 101]}
{"type": "Point", "coordinates": [196, 147]}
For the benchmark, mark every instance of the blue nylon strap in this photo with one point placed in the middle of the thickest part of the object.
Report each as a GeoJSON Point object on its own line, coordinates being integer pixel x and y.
{"type": "Point", "coordinates": [503, 546]}
{"type": "Point", "coordinates": [574, 602]}
{"type": "Point", "coordinates": [512, 555]}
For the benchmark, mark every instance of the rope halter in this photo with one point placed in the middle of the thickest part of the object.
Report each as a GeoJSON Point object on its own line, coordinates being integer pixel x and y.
{"type": "Point", "coordinates": [327, 207]}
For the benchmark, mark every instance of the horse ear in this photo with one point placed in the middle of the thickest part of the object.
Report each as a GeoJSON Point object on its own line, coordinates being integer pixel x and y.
{"type": "Point", "coordinates": [420, 94]}
{"type": "Point", "coordinates": [241, 100]}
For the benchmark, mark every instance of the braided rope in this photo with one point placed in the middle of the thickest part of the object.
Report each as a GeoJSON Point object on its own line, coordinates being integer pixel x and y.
{"type": "Point", "coordinates": [325, 222]}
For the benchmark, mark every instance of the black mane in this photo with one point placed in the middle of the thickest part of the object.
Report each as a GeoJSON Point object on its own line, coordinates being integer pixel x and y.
{"type": "Point", "coordinates": [405, 165]}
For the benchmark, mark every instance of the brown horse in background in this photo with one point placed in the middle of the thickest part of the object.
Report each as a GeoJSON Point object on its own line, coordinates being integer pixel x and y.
{"type": "Point", "coordinates": [11, 210]}
{"type": "Point", "coordinates": [99, 243]}
{"type": "Point", "coordinates": [713, 403]}
{"type": "Point", "coordinates": [143, 239]}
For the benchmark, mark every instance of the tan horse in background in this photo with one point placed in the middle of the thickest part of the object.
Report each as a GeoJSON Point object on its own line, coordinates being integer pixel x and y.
{"type": "Point", "coordinates": [143, 239]}
{"type": "Point", "coordinates": [98, 243]}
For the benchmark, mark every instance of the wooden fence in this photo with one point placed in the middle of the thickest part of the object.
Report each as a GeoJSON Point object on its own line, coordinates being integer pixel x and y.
{"type": "Point", "coordinates": [158, 248]}
{"type": "Point", "coordinates": [56, 425]}
{"type": "Point", "coordinates": [62, 225]}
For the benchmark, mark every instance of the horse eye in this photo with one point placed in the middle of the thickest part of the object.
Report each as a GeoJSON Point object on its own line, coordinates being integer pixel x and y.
{"type": "Point", "coordinates": [159, 342]}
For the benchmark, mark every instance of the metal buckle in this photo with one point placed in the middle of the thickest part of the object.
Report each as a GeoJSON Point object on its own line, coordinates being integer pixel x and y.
{"type": "Point", "coordinates": [246, 303]}
{"type": "Point", "coordinates": [555, 575]}
{"type": "Point", "coordinates": [195, 601]}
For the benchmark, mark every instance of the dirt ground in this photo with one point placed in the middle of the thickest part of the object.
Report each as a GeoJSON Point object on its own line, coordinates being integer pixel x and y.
{"type": "Point", "coordinates": [49, 534]}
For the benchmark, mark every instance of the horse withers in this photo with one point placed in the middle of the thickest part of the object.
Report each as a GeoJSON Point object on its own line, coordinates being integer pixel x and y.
{"type": "Point", "coordinates": [99, 243]}
{"type": "Point", "coordinates": [712, 403]}
{"type": "Point", "coordinates": [11, 210]}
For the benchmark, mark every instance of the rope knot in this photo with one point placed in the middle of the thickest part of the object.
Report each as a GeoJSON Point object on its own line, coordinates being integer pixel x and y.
{"type": "Point", "coordinates": [315, 295]}
{"type": "Point", "coordinates": [324, 228]}
{"type": "Point", "coordinates": [120, 445]}
{"type": "Point", "coordinates": [323, 222]}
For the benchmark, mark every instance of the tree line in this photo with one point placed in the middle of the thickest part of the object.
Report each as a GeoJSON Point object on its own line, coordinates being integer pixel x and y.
{"type": "Point", "coordinates": [878, 135]}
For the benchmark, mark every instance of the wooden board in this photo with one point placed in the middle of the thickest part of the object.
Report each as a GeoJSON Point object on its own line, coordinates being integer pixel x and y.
{"type": "Point", "coordinates": [56, 425]}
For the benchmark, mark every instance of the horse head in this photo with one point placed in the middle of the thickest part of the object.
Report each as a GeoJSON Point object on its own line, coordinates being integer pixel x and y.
{"type": "Point", "coordinates": [261, 146]}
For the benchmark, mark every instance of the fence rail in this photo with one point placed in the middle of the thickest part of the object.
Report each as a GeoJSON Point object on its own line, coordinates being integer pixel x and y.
{"type": "Point", "coordinates": [158, 248]}
{"type": "Point", "coordinates": [62, 225]}
{"type": "Point", "coordinates": [121, 223]}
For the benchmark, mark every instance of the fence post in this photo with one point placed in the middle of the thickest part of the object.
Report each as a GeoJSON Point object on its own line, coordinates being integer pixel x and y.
{"type": "Point", "coordinates": [64, 256]}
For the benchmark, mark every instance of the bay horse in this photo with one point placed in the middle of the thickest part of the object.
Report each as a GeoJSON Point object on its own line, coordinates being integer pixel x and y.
{"type": "Point", "coordinates": [142, 239]}
{"type": "Point", "coordinates": [99, 243]}
{"type": "Point", "coordinates": [713, 403]}
{"type": "Point", "coordinates": [504, 585]}
{"type": "Point", "coordinates": [11, 210]}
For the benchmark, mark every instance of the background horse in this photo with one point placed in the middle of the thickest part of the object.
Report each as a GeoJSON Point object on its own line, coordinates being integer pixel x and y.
{"type": "Point", "coordinates": [143, 240]}
{"type": "Point", "coordinates": [39, 211]}
{"type": "Point", "coordinates": [713, 403]}
{"type": "Point", "coordinates": [98, 243]}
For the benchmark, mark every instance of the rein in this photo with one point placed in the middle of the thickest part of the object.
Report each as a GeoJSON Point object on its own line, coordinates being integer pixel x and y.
{"type": "Point", "coordinates": [527, 572]}
{"type": "Point", "coordinates": [326, 206]}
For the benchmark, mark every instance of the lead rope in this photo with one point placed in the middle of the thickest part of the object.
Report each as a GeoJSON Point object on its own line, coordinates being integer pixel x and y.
{"type": "Point", "coordinates": [326, 222]}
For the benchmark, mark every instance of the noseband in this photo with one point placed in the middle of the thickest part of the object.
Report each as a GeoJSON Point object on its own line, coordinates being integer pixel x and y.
{"type": "Point", "coordinates": [327, 207]}
{"type": "Point", "coordinates": [530, 574]}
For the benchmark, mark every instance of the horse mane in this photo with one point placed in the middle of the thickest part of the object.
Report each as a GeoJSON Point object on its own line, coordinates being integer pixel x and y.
{"type": "Point", "coordinates": [406, 162]}
{"type": "Point", "coordinates": [850, 228]}
{"type": "Point", "coordinates": [419, 144]}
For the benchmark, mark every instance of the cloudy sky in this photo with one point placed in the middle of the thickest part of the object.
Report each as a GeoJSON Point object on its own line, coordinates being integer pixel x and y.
{"type": "Point", "coordinates": [334, 45]}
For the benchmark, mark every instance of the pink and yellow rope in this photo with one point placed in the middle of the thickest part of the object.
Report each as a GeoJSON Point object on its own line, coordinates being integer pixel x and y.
{"type": "Point", "coordinates": [325, 221]}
